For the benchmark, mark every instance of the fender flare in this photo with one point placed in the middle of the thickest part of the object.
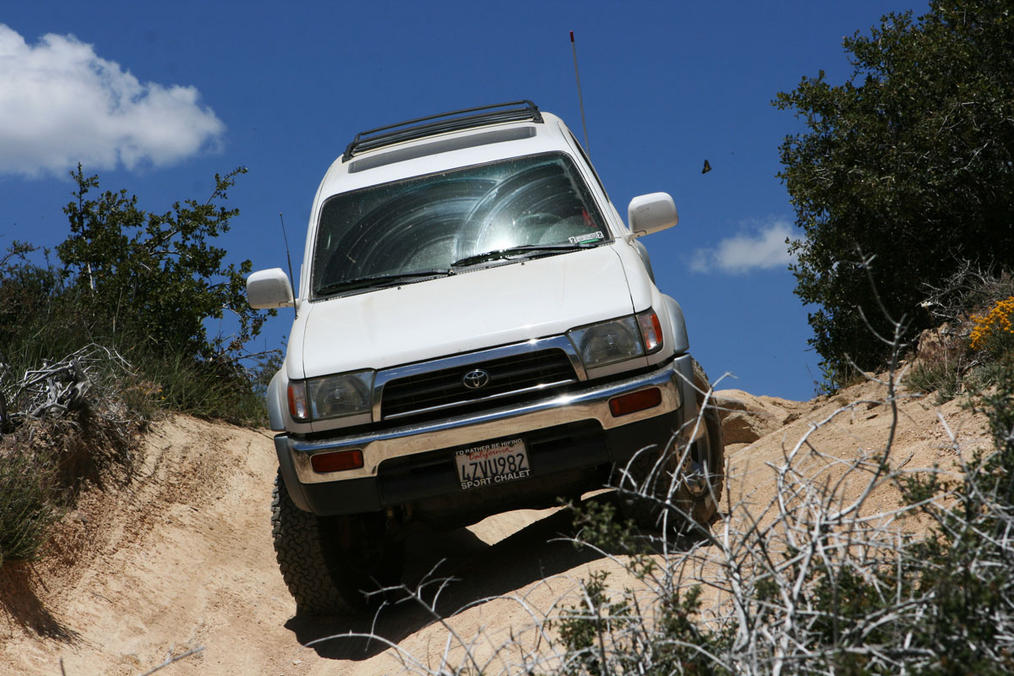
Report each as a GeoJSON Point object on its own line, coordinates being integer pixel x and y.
{"type": "Point", "coordinates": [674, 313]}
{"type": "Point", "coordinates": [275, 398]}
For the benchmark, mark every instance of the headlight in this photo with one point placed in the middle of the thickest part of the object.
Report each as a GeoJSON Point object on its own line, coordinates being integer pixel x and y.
{"type": "Point", "coordinates": [608, 342]}
{"type": "Point", "coordinates": [618, 339]}
{"type": "Point", "coordinates": [331, 396]}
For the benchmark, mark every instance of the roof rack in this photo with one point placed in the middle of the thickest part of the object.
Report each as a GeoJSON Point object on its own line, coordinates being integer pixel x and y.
{"type": "Point", "coordinates": [438, 124]}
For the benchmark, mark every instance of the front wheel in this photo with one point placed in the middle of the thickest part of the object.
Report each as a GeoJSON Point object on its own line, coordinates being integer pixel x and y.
{"type": "Point", "coordinates": [701, 490]}
{"type": "Point", "coordinates": [679, 489]}
{"type": "Point", "coordinates": [331, 563]}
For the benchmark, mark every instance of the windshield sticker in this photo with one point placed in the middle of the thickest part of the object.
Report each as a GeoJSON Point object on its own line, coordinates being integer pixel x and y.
{"type": "Point", "coordinates": [590, 237]}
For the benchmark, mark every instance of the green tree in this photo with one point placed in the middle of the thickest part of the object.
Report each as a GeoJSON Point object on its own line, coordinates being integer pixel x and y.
{"type": "Point", "coordinates": [908, 163]}
{"type": "Point", "coordinates": [151, 280]}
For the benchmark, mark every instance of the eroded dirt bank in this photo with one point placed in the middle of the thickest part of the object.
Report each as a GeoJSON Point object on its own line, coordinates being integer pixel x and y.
{"type": "Point", "coordinates": [181, 558]}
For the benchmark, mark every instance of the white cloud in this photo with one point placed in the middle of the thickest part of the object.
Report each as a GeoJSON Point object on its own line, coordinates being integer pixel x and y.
{"type": "Point", "coordinates": [61, 104]}
{"type": "Point", "coordinates": [760, 250]}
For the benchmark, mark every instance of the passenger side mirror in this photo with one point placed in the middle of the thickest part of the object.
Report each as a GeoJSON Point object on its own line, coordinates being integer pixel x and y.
{"type": "Point", "coordinates": [266, 289]}
{"type": "Point", "coordinates": [651, 213]}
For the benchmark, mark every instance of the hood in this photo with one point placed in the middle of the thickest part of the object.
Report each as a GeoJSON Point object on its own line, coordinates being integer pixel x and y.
{"type": "Point", "coordinates": [449, 315]}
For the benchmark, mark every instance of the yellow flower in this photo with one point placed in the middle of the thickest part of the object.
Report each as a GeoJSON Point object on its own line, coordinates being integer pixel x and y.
{"type": "Point", "coordinates": [996, 323]}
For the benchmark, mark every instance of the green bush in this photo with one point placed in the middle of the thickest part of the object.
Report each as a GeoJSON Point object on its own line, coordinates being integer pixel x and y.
{"type": "Point", "coordinates": [907, 163]}
{"type": "Point", "coordinates": [153, 279]}
{"type": "Point", "coordinates": [142, 284]}
{"type": "Point", "coordinates": [133, 285]}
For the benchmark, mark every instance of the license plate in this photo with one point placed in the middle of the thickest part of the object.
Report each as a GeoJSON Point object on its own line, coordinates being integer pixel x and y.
{"type": "Point", "coordinates": [492, 464]}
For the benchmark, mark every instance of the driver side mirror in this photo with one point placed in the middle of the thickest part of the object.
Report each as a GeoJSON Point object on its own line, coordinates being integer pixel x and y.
{"type": "Point", "coordinates": [651, 213]}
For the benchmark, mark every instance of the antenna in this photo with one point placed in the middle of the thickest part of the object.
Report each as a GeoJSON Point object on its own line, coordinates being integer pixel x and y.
{"type": "Point", "coordinates": [580, 99]}
{"type": "Point", "coordinates": [288, 258]}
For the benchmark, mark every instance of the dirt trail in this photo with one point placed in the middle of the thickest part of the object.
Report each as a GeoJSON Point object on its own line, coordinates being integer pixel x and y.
{"type": "Point", "coordinates": [181, 557]}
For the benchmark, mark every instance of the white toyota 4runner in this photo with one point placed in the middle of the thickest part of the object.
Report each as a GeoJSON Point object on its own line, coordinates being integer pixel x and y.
{"type": "Point", "coordinates": [476, 330]}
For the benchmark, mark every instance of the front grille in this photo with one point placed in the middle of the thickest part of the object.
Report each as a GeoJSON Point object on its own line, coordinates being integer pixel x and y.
{"type": "Point", "coordinates": [508, 376]}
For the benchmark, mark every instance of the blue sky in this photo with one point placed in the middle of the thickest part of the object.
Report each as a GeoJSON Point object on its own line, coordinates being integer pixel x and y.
{"type": "Point", "coordinates": [158, 97]}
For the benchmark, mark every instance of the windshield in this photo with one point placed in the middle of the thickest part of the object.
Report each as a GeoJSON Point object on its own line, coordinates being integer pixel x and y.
{"type": "Point", "coordinates": [419, 227]}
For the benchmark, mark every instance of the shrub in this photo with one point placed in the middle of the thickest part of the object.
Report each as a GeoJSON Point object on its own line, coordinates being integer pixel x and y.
{"type": "Point", "coordinates": [992, 332]}
{"type": "Point", "coordinates": [941, 377]}
{"type": "Point", "coordinates": [143, 284]}
{"type": "Point", "coordinates": [908, 161]}
{"type": "Point", "coordinates": [150, 280]}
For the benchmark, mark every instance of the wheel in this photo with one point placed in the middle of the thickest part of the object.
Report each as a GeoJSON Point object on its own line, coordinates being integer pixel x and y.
{"type": "Point", "coordinates": [680, 490]}
{"type": "Point", "coordinates": [701, 490]}
{"type": "Point", "coordinates": [330, 564]}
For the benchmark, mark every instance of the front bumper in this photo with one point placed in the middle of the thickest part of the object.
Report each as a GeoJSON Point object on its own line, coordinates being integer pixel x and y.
{"type": "Point", "coordinates": [409, 463]}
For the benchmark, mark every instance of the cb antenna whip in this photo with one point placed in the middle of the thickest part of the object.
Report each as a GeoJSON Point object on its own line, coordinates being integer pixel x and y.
{"type": "Point", "coordinates": [288, 257]}
{"type": "Point", "coordinates": [580, 99]}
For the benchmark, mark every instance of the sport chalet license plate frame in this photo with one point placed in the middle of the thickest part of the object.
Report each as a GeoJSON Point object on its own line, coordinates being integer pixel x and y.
{"type": "Point", "coordinates": [492, 464]}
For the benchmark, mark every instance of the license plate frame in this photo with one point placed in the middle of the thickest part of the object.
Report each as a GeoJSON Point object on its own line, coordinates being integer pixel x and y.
{"type": "Point", "coordinates": [492, 464]}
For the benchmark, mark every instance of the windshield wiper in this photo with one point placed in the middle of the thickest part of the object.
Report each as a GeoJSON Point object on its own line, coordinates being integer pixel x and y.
{"type": "Point", "coordinates": [497, 254]}
{"type": "Point", "coordinates": [379, 281]}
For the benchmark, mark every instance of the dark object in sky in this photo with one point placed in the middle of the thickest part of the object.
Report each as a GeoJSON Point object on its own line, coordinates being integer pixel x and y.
{"type": "Point", "coordinates": [707, 167]}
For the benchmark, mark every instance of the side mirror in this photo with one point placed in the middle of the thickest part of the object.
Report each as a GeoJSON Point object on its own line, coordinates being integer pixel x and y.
{"type": "Point", "coordinates": [267, 289]}
{"type": "Point", "coordinates": [651, 213]}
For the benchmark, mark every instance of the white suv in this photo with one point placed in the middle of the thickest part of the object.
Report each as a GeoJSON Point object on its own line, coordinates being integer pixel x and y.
{"type": "Point", "coordinates": [476, 330]}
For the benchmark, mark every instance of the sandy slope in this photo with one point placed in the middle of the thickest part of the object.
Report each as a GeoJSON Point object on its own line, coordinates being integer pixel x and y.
{"type": "Point", "coordinates": [181, 557]}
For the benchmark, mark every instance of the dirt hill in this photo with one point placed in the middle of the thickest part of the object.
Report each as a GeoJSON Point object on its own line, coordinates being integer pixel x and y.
{"type": "Point", "coordinates": [180, 558]}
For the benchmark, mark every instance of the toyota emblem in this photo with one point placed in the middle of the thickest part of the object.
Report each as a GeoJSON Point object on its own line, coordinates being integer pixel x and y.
{"type": "Point", "coordinates": [475, 379]}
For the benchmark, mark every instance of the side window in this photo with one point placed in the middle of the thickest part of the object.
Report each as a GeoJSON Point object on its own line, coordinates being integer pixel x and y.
{"type": "Point", "coordinates": [587, 161]}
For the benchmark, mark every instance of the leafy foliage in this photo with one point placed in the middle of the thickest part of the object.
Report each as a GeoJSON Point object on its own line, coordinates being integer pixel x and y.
{"type": "Point", "coordinates": [156, 277]}
{"type": "Point", "coordinates": [908, 162]}
{"type": "Point", "coordinates": [144, 284]}
{"type": "Point", "coordinates": [26, 294]}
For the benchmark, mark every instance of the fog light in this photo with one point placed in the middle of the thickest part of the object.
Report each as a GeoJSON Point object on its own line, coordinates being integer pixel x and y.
{"type": "Point", "coordinates": [635, 401]}
{"type": "Point", "coordinates": [337, 461]}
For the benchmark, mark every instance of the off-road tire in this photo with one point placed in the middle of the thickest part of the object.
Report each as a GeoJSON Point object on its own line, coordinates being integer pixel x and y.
{"type": "Point", "coordinates": [703, 505]}
{"type": "Point", "coordinates": [330, 563]}
{"type": "Point", "coordinates": [647, 489]}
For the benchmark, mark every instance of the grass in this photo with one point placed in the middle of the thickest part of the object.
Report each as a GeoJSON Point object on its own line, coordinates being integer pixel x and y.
{"type": "Point", "coordinates": [27, 508]}
{"type": "Point", "coordinates": [205, 389]}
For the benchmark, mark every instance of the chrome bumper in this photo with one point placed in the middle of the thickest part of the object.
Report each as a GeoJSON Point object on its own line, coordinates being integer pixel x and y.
{"type": "Point", "coordinates": [673, 379]}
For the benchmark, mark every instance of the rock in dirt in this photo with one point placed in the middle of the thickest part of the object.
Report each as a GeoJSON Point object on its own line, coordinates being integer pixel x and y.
{"type": "Point", "coordinates": [747, 417]}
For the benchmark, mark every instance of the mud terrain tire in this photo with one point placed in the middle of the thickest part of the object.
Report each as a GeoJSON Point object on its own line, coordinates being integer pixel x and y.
{"type": "Point", "coordinates": [693, 503]}
{"type": "Point", "coordinates": [329, 563]}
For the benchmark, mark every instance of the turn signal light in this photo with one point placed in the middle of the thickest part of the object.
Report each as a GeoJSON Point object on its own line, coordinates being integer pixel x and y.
{"type": "Point", "coordinates": [298, 409]}
{"type": "Point", "coordinates": [337, 461]}
{"type": "Point", "coordinates": [635, 401]}
{"type": "Point", "coordinates": [651, 331]}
